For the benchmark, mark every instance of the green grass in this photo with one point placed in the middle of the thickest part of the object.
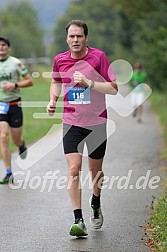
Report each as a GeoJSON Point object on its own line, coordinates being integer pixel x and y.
{"type": "Point", "coordinates": [158, 225]}
{"type": "Point", "coordinates": [159, 105]}
{"type": "Point", "coordinates": [157, 228]}
{"type": "Point", "coordinates": [34, 129]}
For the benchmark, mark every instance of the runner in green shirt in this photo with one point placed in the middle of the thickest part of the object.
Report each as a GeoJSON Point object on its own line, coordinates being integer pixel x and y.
{"type": "Point", "coordinates": [139, 77]}
{"type": "Point", "coordinates": [11, 117]}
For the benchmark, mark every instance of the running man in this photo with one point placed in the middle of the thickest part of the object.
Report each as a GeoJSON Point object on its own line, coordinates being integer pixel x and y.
{"type": "Point", "coordinates": [11, 117]}
{"type": "Point", "coordinates": [87, 81]}
{"type": "Point", "coordinates": [139, 77]}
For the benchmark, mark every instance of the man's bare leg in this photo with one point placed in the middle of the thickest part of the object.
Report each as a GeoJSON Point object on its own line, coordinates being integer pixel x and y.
{"type": "Point", "coordinates": [4, 143]}
{"type": "Point", "coordinates": [95, 167]}
{"type": "Point", "coordinates": [74, 167]}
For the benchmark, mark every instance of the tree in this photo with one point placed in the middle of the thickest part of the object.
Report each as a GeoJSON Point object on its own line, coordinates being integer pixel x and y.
{"type": "Point", "coordinates": [148, 27]}
{"type": "Point", "coordinates": [19, 22]}
{"type": "Point", "coordinates": [150, 44]}
{"type": "Point", "coordinates": [127, 29]}
{"type": "Point", "coordinates": [98, 16]}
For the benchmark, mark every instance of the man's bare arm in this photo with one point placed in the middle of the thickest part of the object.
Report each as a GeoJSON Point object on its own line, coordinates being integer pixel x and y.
{"type": "Point", "coordinates": [55, 91]}
{"type": "Point", "coordinates": [102, 87]}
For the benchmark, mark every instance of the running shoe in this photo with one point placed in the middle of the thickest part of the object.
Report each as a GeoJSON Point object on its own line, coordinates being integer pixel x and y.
{"type": "Point", "coordinates": [23, 151]}
{"type": "Point", "coordinates": [7, 179]}
{"type": "Point", "coordinates": [96, 218]}
{"type": "Point", "coordinates": [78, 229]}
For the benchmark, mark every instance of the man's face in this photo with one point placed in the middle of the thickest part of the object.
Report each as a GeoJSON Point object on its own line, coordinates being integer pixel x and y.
{"type": "Point", "coordinates": [76, 39]}
{"type": "Point", "coordinates": [4, 49]}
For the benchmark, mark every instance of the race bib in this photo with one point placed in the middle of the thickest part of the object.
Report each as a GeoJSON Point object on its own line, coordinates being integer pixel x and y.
{"type": "Point", "coordinates": [4, 108]}
{"type": "Point", "coordinates": [78, 95]}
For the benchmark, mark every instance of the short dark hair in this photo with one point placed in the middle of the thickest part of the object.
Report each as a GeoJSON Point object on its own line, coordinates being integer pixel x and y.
{"type": "Point", "coordinates": [78, 23]}
{"type": "Point", "coordinates": [6, 40]}
{"type": "Point", "coordinates": [137, 65]}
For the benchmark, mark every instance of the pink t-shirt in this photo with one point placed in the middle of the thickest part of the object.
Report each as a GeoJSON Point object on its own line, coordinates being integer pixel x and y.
{"type": "Point", "coordinates": [83, 106]}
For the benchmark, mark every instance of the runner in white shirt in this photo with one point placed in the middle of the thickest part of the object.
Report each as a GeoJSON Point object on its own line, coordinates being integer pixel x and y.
{"type": "Point", "coordinates": [11, 116]}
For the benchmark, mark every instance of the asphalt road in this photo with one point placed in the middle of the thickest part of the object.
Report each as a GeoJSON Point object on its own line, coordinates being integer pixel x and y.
{"type": "Point", "coordinates": [35, 215]}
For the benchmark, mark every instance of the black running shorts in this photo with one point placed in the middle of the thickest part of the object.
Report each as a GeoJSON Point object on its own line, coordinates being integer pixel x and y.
{"type": "Point", "coordinates": [14, 116]}
{"type": "Point", "coordinates": [94, 137]}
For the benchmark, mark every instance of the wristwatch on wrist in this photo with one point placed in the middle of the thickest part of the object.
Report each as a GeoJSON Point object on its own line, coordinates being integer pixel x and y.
{"type": "Point", "coordinates": [92, 83]}
{"type": "Point", "coordinates": [16, 85]}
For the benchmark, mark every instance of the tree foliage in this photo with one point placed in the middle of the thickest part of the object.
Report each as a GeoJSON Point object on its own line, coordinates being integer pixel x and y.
{"type": "Point", "coordinates": [127, 29]}
{"type": "Point", "coordinates": [19, 22]}
{"type": "Point", "coordinates": [95, 14]}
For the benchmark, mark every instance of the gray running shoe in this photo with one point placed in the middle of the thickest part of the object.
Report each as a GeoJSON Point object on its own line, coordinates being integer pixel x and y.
{"type": "Point", "coordinates": [78, 229]}
{"type": "Point", "coordinates": [96, 218]}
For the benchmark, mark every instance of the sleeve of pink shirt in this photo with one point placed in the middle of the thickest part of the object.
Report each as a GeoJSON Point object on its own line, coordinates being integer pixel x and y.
{"type": "Point", "coordinates": [55, 72]}
{"type": "Point", "coordinates": [105, 64]}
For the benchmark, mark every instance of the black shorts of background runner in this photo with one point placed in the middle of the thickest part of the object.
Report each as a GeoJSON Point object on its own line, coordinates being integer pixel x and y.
{"type": "Point", "coordinates": [14, 117]}
{"type": "Point", "coordinates": [95, 138]}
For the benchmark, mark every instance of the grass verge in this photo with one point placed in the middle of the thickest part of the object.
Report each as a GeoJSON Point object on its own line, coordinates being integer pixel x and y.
{"type": "Point", "coordinates": [157, 227]}
{"type": "Point", "coordinates": [159, 105]}
{"type": "Point", "coordinates": [36, 128]}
